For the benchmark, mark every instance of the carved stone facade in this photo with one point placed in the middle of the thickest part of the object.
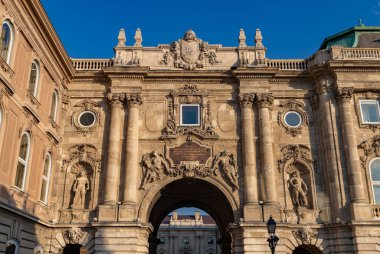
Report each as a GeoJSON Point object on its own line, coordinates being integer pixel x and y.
{"type": "Point", "coordinates": [153, 129]}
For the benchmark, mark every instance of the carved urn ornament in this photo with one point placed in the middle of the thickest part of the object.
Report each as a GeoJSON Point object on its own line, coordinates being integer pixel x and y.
{"type": "Point", "coordinates": [189, 53]}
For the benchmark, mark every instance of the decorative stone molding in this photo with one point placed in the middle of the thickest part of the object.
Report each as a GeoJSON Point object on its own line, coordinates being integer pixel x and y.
{"type": "Point", "coordinates": [134, 100]}
{"type": "Point", "coordinates": [314, 99]}
{"type": "Point", "coordinates": [189, 94]}
{"type": "Point", "coordinates": [189, 53]}
{"type": "Point", "coordinates": [295, 153]}
{"type": "Point", "coordinates": [264, 100]}
{"type": "Point", "coordinates": [370, 149]}
{"type": "Point", "coordinates": [155, 167]}
{"type": "Point", "coordinates": [82, 153]}
{"type": "Point", "coordinates": [305, 234]}
{"type": "Point", "coordinates": [344, 93]}
{"type": "Point", "coordinates": [80, 107]}
{"type": "Point", "coordinates": [295, 106]}
{"type": "Point", "coordinates": [73, 235]}
{"type": "Point", "coordinates": [38, 250]}
{"type": "Point", "coordinates": [246, 99]}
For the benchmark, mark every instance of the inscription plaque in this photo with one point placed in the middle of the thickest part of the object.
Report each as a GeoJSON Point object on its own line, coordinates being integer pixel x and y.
{"type": "Point", "coordinates": [190, 151]}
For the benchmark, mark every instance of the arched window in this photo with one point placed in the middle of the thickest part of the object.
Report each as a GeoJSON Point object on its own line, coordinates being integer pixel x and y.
{"type": "Point", "coordinates": [22, 161]}
{"type": "Point", "coordinates": [45, 178]}
{"type": "Point", "coordinates": [11, 247]}
{"type": "Point", "coordinates": [6, 41]}
{"type": "Point", "coordinates": [54, 106]}
{"type": "Point", "coordinates": [374, 167]}
{"type": "Point", "coordinates": [34, 78]}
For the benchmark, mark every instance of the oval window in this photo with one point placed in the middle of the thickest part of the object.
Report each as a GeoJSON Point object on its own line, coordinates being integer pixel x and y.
{"type": "Point", "coordinates": [293, 119]}
{"type": "Point", "coordinates": [87, 118]}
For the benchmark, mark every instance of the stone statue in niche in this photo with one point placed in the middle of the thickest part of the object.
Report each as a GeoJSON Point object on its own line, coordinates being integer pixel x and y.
{"type": "Point", "coordinates": [226, 164]}
{"type": "Point", "coordinates": [153, 165]}
{"type": "Point", "coordinates": [297, 189]}
{"type": "Point", "coordinates": [80, 187]}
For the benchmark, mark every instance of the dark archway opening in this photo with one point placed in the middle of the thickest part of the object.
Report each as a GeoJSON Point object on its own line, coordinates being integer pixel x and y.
{"type": "Point", "coordinates": [190, 192]}
{"type": "Point", "coordinates": [11, 249]}
{"type": "Point", "coordinates": [74, 249]}
{"type": "Point", "coordinates": [307, 249]}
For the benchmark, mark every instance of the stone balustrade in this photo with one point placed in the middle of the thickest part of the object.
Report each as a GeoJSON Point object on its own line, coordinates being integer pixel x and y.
{"type": "Point", "coordinates": [288, 64]}
{"type": "Point", "coordinates": [91, 64]}
{"type": "Point", "coordinates": [376, 212]}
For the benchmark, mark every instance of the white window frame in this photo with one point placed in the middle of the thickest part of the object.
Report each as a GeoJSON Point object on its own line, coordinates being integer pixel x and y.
{"type": "Point", "coordinates": [34, 92]}
{"type": "Point", "coordinates": [81, 114]}
{"type": "Point", "coordinates": [300, 116]}
{"type": "Point", "coordinates": [24, 162]}
{"type": "Point", "coordinates": [53, 114]}
{"type": "Point", "coordinates": [10, 25]}
{"type": "Point", "coordinates": [373, 183]}
{"type": "Point", "coordinates": [199, 115]}
{"type": "Point", "coordinates": [361, 110]}
{"type": "Point", "coordinates": [46, 178]}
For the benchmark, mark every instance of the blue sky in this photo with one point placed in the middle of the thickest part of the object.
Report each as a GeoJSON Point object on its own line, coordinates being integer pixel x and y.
{"type": "Point", "coordinates": [291, 29]}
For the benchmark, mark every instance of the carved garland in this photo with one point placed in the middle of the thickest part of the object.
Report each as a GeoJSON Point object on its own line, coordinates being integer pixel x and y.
{"type": "Point", "coordinates": [84, 106]}
{"type": "Point", "coordinates": [155, 166]}
{"type": "Point", "coordinates": [370, 149]}
{"type": "Point", "coordinates": [295, 106]}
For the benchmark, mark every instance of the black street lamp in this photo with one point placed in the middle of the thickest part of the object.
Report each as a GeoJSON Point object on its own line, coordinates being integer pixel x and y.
{"type": "Point", "coordinates": [272, 239]}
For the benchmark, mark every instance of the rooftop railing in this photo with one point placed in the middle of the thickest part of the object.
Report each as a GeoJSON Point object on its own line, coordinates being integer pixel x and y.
{"type": "Point", "coordinates": [91, 64]}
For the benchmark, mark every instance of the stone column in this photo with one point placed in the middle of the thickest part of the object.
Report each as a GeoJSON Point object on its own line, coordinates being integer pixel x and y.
{"type": "Point", "coordinates": [132, 142]}
{"type": "Point", "coordinates": [249, 153]}
{"type": "Point", "coordinates": [265, 102]}
{"type": "Point", "coordinates": [114, 150]}
{"type": "Point", "coordinates": [350, 147]}
{"type": "Point", "coordinates": [329, 151]}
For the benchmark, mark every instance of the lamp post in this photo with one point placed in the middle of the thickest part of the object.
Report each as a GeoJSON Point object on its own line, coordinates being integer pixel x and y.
{"type": "Point", "coordinates": [272, 239]}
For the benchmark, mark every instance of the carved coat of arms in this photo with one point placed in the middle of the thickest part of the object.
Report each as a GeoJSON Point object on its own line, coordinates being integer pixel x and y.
{"type": "Point", "coordinates": [189, 53]}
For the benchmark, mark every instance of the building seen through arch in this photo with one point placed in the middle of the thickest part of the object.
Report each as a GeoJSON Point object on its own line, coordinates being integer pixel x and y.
{"type": "Point", "coordinates": [95, 153]}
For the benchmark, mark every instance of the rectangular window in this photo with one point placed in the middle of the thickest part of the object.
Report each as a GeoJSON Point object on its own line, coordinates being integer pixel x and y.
{"type": "Point", "coordinates": [210, 240]}
{"type": "Point", "coordinates": [190, 115]}
{"type": "Point", "coordinates": [186, 240]}
{"type": "Point", "coordinates": [162, 240]}
{"type": "Point", "coordinates": [370, 111]}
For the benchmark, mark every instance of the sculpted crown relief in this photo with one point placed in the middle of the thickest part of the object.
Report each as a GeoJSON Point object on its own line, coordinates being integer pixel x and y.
{"type": "Point", "coordinates": [189, 53]}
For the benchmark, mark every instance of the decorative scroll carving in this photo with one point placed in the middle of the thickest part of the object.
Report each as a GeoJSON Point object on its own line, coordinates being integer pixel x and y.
{"type": "Point", "coordinates": [345, 93]}
{"type": "Point", "coordinates": [246, 100]}
{"type": "Point", "coordinates": [305, 234]}
{"type": "Point", "coordinates": [295, 106]}
{"type": "Point", "coordinates": [134, 99]}
{"type": "Point", "coordinates": [293, 153]}
{"type": "Point", "coordinates": [371, 149]}
{"type": "Point", "coordinates": [86, 105]}
{"type": "Point", "coordinates": [227, 166]}
{"type": "Point", "coordinates": [264, 100]}
{"type": "Point", "coordinates": [83, 153]}
{"type": "Point", "coordinates": [189, 94]}
{"type": "Point", "coordinates": [155, 167]}
{"type": "Point", "coordinates": [116, 100]}
{"type": "Point", "coordinates": [189, 53]}
{"type": "Point", "coordinates": [72, 235]}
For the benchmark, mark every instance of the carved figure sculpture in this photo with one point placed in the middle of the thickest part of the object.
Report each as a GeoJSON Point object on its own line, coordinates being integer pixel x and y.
{"type": "Point", "coordinates": [80, 187]}
{"type": "Point", "coordinates": [72, 235]}
{"type": "Point", "coordinates": [226, 164]}
{"type": "Point", "coordinates": [297, 189]}
{"type": "Point", "coordinates": [153, 165]}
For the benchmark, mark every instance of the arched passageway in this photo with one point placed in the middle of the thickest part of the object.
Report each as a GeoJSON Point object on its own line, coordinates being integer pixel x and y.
{"type": "Point", "coordinates": [307, 249]}
{"type": "Point", "coordinates": [74, 249]}
{"type": "Point", "coordinates": [197, 193]}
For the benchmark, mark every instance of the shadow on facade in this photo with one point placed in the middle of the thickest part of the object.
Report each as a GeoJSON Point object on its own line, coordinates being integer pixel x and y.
{"type": "Point", "coordinates": [193, 193]}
